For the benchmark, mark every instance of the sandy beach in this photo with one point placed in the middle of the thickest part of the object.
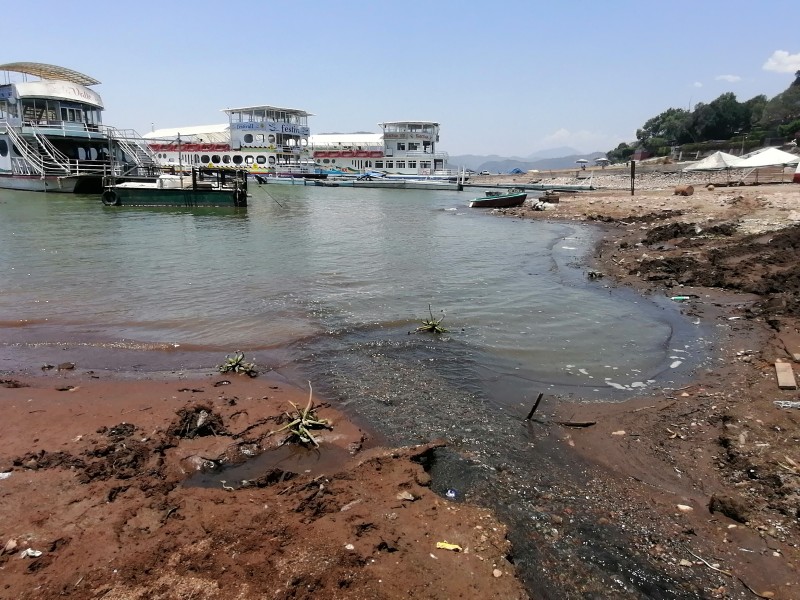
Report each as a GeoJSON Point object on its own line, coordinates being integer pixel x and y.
{"type": "Point", "coordinates": [103, 492]}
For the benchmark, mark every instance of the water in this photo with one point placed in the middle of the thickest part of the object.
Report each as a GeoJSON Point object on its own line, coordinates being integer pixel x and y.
{"type": "Point", "coordinates": [327, 285]}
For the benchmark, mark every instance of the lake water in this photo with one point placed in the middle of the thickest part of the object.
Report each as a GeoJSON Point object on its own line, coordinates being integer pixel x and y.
{"type": "Point", "coordinates": [325, 285]}
{"type": "Point", "coordinates": [311, 272]}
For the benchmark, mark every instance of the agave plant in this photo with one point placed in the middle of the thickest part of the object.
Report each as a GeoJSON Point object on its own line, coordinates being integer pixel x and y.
{"type": "Point", "coordinates": [432, 325]}
{"type": "Point", "coordinates": [235, 364]}
{"type": "Point", "coordinates": [301, 421]}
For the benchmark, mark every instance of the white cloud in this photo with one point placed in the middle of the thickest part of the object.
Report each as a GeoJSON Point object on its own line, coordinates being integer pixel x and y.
{"type": "Point", "coordinates": [728, 78]}
{"type": "Point", "coordinates": [697, 84]}
{"type": "Point", "coordinates": [782, 62]}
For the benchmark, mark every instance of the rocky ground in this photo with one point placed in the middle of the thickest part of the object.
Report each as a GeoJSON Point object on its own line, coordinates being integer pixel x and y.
{"type": "Point", "coordinates": [114, 488]}
{"type": "Point", "coordinates": [713, 466]}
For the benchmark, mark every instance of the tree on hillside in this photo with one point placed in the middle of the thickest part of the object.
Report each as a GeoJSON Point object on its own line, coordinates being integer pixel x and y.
{"type": "Point", "coordinates": [670, 125]}
{"type": "Point", "coordinates": [783, 108]}
{"type": "Point", "coordinates": [720, 119]}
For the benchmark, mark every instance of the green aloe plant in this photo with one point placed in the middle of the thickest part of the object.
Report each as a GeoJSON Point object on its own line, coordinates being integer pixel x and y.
{"type": "Point", "coordinates": [432, 325]}
{"type": "Point", "coordinates": [301, 421]}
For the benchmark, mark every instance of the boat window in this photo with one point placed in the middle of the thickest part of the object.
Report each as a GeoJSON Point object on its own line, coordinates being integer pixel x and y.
{"type": "Point", "coordinates": [226, 159]}
{"type": "Point", "coordinates": [261, 160]}
{"type": "Point", "coordinates": [204, 159]}
{"type": "Point", "coordinates": [3, 148]}
{"type": "Point", "coordinates": [237, 159]}
{"type": "Point", "coordinates": [215, 159]}
{"type": "Point", "coordinates": [248, 138]}
{"type": "Point", "coordinates": [400, 164]}
{"type": "Point", "coordinates": [401, 145]}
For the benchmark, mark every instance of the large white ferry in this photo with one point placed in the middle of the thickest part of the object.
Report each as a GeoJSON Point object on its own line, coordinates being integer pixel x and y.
{"type": "Point", "coordinates": [52, 137]}
{"type": "Point", "coordinates": [276, 143]}
{"type": "Point", "coordinates": [264, 140]}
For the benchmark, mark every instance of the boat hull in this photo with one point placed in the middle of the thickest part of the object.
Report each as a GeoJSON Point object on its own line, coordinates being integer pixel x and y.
{"type": "Point", "coordinates": [504, 201]}
{"type": "Point", "coordinates": [121, 196]}
{"type": "Point", "coordinates": [82, 184]}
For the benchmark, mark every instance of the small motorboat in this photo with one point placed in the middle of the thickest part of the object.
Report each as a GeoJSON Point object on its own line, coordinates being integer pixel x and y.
{"type": "Point", "coordinates": [496, 199]}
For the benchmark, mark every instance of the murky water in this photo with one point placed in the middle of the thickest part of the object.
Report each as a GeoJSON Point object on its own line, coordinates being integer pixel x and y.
{"type": "Point", "coordinates": [327, 284]}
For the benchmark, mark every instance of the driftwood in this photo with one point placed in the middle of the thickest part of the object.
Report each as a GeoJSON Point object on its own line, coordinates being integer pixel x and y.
{"type": "Point", "coordinates": [535, 406]}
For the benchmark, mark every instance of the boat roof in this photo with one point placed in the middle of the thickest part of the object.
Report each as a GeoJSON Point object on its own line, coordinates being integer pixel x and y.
{"type": "Point", "coordinates": [295, 111]}
{"type": "Point", "coordinates": [346, 139]}
{"type": "Point", "coordinates": [411, 121]}
{"type": "Point", "coordinates": [211, 133]}
{"type": "Point", "coordinates": [45, 71]}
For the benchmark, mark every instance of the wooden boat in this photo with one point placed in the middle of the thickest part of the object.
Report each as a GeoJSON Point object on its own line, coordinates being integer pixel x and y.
{"type": "Point", "coordinates": [203, 187]}
{"type": "Point", "coordinates": [496, 199]}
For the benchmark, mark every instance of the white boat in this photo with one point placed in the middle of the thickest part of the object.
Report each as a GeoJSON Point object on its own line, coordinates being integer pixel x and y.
{"type": "Point", "coordinates": [403, 149]}
{"type": "Point", "coordinates": [52, 138]}
{"type": "Point", "coordinates": [268, 141]}
{"type": "Point", "coordinates": [276, 142]}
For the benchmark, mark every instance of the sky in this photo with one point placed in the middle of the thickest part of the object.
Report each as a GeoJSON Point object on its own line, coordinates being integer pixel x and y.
{"type": "Point", "coordinates": [506, 78]}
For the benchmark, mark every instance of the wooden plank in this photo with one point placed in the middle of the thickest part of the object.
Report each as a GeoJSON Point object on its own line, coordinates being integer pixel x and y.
{"type": "Point", "coordinates": [785, 376]}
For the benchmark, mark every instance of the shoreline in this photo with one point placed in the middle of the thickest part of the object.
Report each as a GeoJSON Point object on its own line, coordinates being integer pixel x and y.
{"type": "Point", "coordinates": [718, 441]}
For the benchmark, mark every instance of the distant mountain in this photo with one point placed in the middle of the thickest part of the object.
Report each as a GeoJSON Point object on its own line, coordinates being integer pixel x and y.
{"type": "Point", "coordinates": [501, 164]}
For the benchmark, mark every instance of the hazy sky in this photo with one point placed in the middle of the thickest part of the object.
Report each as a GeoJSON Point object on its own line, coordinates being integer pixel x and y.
{"type": "Point", "coordinates": [508, 77]}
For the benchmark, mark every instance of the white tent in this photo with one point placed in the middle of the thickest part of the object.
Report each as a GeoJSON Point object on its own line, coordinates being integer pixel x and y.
{"type": "Point", "coordinates": [715, 162]}
{"type": "Point", "coordinates": [771, 157]}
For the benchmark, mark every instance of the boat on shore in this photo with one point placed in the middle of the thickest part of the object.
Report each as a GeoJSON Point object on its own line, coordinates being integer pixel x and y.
{"type": "Point", "coordinates": [52, 138]}
{"type": "Point", "coordinates": [201, 188]}
{"type": "Point", "coordinates": [496, 199]}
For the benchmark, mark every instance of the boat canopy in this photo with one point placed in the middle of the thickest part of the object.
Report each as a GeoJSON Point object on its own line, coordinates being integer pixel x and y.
{"type": "Point", "coordinates": [45, 71]}
{"type": "Point", "coordinates": [210, 134]}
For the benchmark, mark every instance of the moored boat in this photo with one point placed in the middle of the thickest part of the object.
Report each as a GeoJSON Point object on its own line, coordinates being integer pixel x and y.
{"type": "Point", "coordinates": [52, 138]}
{"type": "Point", "coordinates": [496, 199]}
{"type": "Point", "coordinates": [200, 188]}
